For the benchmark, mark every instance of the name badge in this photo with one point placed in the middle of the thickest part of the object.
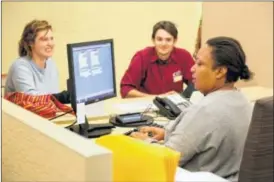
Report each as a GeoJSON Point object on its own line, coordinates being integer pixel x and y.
{"type": "Point", "coordinates": [177, 76]}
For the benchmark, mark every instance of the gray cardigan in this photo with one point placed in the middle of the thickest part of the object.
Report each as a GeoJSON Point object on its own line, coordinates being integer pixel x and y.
{"type": "Point", "coordinates": [210, 135]}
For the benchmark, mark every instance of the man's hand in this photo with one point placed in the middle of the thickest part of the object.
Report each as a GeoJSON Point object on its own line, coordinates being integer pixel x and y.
{"type": "Point", "coordinates": [154, 132]}
{"type": "Point", "coordinates": [168, 93]}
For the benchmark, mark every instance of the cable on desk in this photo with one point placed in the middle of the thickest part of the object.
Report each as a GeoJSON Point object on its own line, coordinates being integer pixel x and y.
{"type": "Point", "coordinates": [146, 110]}
{"type": "Point", "coordinates": [161, 118]}
{"type": "Point", "coordinates": [150, 110]}
{"type": "Point", "coordinates": [71, 124]}
{"type": "Point", "coordinates": [60, 115]}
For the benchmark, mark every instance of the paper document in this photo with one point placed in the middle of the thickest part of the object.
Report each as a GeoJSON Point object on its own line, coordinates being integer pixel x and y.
{"type": "Point", "coordinates": [187, 176]}
{"type": "Point", "coordinates": [81, 113]}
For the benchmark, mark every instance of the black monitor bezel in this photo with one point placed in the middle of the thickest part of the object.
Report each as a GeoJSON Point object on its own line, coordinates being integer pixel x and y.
{"type": "Point", "coordinates": [71, 80]}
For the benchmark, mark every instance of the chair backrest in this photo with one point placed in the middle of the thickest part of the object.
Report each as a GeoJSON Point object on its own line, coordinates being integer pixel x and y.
{"type": "Point", "coordinates": [257, 161]}
{"type": "Point", "coordinates": [3, 78]}
{"type": "Point", "coordinates": [3, 82]}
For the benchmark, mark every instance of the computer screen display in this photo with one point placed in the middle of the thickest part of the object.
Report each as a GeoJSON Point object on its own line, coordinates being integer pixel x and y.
{"type": "Point", "coordinates": [91, 71]}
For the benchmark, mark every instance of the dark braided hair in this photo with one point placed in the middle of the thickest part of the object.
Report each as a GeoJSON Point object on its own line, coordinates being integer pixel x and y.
{"type": "Point", "coordinates": [228, 52]}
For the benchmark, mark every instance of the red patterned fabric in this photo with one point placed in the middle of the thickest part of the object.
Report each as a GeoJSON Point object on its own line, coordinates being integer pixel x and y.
{"type": "Point", "coordinates": [44, 105]}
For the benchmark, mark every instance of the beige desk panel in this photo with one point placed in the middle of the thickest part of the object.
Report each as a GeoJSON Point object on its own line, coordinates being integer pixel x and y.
{"type": "Point", "coordinates": [34, 149]}
{"type": "Point", "coordinates": [100, 112]}
{"type": "Point", "coordinates": [256, 92]}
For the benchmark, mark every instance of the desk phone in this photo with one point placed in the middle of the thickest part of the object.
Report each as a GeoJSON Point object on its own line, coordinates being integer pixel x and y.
{"type": "Point", "coordinates": [130, 118]}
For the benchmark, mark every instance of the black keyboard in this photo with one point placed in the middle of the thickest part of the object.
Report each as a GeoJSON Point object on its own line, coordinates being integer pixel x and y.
{"type": "Point", "coordinates": [130, 131]}
{"type": "Point", "coordinates": [137, 129]}
{"type": "Point", "coordinates": [157, 125]}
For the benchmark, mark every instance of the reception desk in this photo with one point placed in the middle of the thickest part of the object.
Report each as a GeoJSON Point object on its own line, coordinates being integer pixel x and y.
{"type": "Point", "coordinates": [256, 92]}
{"type": "Point", "coordinates": [35, 149]}
{"type": "Point", "coordinates": [102, 111]}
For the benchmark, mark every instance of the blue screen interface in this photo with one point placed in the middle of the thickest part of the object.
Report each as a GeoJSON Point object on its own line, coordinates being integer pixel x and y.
{"type": "Point", "coordinates": [93, 72]}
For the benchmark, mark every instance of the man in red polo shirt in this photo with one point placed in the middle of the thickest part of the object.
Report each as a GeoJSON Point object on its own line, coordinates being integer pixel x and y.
{"type": "Point", "coordinates": [161, 69]}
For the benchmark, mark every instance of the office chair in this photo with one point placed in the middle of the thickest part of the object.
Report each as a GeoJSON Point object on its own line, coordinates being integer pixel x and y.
{"type": "Point", "coordinates": [3, 82]}
{"type": "Point", "coordinates": [257, 161]}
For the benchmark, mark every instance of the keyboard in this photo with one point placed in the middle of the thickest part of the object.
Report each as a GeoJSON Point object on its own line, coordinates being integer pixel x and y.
{"type": "Point", "coordinates": [130, 131]}
{"type": "Point", "coordinates": [156, 125]}
{"type": "Point", "coordinates": [137, 129]}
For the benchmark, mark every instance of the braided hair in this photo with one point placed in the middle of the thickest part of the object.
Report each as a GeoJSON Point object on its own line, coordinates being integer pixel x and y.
{"type": "Point", "coordinates": [228, 52]}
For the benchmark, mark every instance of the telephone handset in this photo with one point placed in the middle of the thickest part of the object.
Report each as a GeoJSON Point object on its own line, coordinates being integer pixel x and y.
{"type": "Point", "coordinates": [167, 108]}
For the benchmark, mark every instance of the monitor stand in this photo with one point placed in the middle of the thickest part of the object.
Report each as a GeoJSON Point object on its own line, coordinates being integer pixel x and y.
{"type": "Point", "coordinates": [96, 109]}
{"type": "Point", "coordinates": [88, 130]}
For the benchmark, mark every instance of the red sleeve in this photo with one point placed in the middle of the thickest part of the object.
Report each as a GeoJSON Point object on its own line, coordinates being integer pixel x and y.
{"type": "Point", "coordinates": [187, 65]}
{"type": "Point", "coordinates": [133, 75]}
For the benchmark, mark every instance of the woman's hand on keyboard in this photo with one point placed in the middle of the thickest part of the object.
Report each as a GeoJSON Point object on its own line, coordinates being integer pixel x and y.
{"type": "Point", "coordinates": [154, 132]}
{"type": "Point", "coordinates": [139, 135]}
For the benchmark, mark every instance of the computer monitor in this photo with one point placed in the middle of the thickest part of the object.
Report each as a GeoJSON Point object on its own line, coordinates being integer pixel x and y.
{"type": "Point", "coordinates": [91, 71]}
{"type": "Point", "coordinates": [91, 75]}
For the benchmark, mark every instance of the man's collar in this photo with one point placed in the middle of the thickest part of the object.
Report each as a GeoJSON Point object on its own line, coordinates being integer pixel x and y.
{"type": "Point", "coordinates": [154, 56]}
